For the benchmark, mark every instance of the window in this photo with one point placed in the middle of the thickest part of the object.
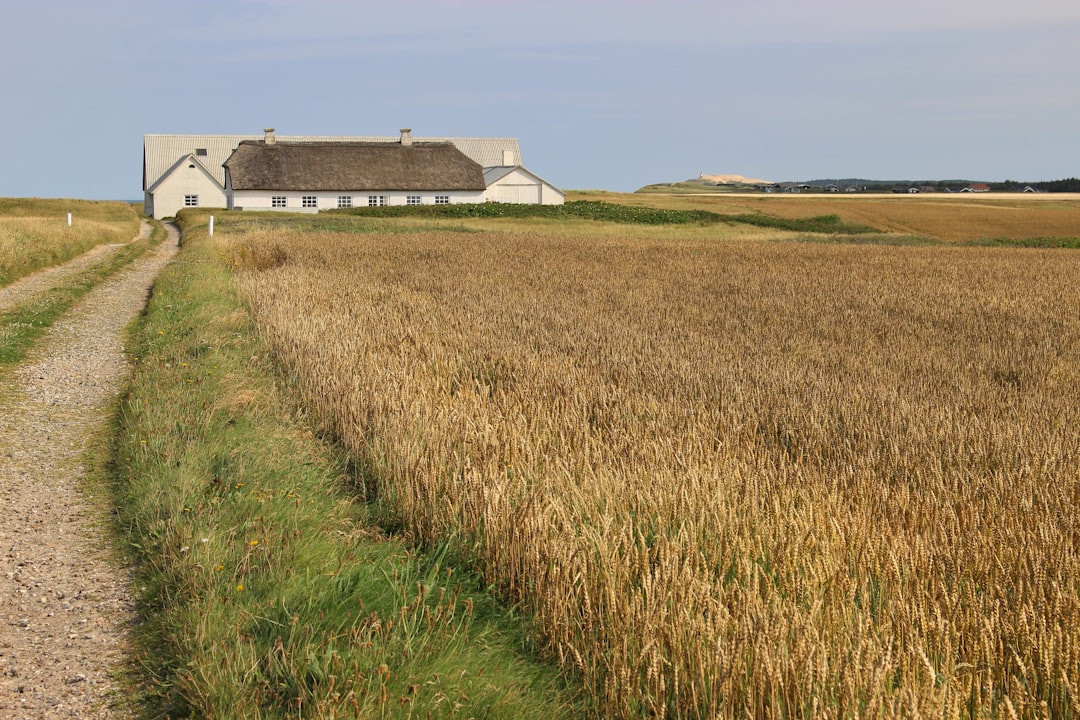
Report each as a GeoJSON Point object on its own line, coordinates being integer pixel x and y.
{"type": "Point", "coordinates": [309, 201]}
{"type": "Point", "coordinates": [200, 152]}
{"type": "Point", "coordinates": [374, 200]}
{"type": "Point", "coordinates": [442, 199]}
{"type": "Point", "coordinates": [412, 199]}
{"type": "Point", "coordinates": [344, 201]}
{"type": "Point", "coordinates": [191, 201]}
{"type": "Point", "coordinates": [277, 201]}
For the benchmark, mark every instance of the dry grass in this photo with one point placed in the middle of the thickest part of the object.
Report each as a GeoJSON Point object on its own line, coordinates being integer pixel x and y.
{"type": "Point", "coordinates": [729, 478]}
{"type": "Point", "coordinates": [34, 233]}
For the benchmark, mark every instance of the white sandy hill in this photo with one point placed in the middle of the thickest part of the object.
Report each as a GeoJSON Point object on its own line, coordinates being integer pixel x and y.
{"type": "Point", "coordinates": [733, 180]}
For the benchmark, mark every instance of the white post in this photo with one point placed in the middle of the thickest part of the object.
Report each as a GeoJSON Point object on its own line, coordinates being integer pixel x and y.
{"type": "Point", "coordinates": [69, 219]}
{"type": "Point", "coordinates": [211, 226]}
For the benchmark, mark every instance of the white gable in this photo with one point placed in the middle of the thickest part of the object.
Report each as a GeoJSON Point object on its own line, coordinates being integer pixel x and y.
{"type": "Point", "coordinates": [518, 185]}
{"type": "Point", "coordinates": [188, 183]}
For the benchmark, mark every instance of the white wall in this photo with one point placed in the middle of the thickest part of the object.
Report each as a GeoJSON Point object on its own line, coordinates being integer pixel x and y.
{"type": "Point", "coordinates": [260, 199]}
{"type": "Point", "coordinates": [518, 186]}
{"type": "Point", "coordinates": [550, 195]}
{"type": "Point", "coordinates": [168, 197]}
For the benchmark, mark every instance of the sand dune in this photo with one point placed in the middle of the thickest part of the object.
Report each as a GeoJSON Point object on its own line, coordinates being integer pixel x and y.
{"type": "Point", "coordinates": [736, 179]}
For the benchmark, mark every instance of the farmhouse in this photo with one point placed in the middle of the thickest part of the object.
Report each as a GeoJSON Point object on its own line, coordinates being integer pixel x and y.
{"type": "Point", "coordinates": [312, 176]}
{"type": "Point", "coordinates": [189, 171]}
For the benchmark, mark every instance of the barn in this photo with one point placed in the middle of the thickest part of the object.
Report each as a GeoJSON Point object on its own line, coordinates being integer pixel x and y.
{"type": "Point", "coordinates": [189, 171]}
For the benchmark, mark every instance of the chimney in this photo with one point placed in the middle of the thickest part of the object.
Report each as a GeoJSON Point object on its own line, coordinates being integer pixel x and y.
{"type": "Point", "coordinates": [406, 137]}
{"type": "Point", "coordinates": [269, 139]}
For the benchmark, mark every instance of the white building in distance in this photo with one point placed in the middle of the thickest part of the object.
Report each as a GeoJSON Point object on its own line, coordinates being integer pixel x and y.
{"type": "Point", "coordinates": [189, 171]}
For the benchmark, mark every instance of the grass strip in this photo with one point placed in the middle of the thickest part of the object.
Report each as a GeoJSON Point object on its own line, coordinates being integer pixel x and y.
{"type": "Point", "coordinates": [877, 238]}
{"type": "Point", "coordinates": [1072, 243]}
{"type": "Point", "coordinates": [611, 212]}
{"type": "Point", "coordinates": [264, 587]}
{"type": "Point", "coordinates": [23, 324]}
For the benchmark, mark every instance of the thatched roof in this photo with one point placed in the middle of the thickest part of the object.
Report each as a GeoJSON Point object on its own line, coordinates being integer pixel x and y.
{"type": "Point", "coordinates": [328, 166]}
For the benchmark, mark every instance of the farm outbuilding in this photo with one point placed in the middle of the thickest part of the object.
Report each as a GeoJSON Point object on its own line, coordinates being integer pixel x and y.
{"type": "Point", "coordinates": [518, 185]}
{"type": "Point", "coordinates": [188, 170]}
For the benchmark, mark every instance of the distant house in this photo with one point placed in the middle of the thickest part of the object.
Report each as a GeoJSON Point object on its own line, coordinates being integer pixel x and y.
{"type": "Point", "coordinates": [188, 170]}
{"type": "Point", "coordinates": [832, 188]}
{"type": "Point", "coordinates": [976, 188]}
{"type": "Point", "coordinates": [312, 176]}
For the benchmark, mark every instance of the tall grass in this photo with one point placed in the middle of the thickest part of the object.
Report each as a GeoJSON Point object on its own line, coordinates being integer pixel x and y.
{"type": "Point", "coordinates": [726, 479]}
{"type": "Point", "coordinates": [34, 233]}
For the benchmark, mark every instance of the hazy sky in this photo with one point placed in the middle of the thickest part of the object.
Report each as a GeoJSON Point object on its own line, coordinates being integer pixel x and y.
{"type": "Point", "coordinates": [611, 94]}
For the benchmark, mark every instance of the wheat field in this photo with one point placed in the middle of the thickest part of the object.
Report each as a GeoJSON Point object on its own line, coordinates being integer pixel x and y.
{"type": "Point", "coordinates": [725, 478]}
{"type": "Point", "coordinates": [955, 217]}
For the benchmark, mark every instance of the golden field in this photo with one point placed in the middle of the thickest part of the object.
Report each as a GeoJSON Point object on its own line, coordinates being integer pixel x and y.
{"type": "Point", "coordinates": [724, 476]}
{"type": "Point", "coordinates": [954, 217]}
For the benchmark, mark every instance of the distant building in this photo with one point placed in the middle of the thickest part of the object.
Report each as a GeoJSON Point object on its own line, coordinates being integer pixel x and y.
{"type": "Point", "coordinates": [188, 171]}
{"type": "Point", "coordinates": [313, 176]}
{"type": "Point", "coordinates": [515, 184]}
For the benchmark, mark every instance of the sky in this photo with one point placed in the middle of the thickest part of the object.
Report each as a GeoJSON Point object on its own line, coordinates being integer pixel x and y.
{"type": "Point", "coordinates": [602, 94]}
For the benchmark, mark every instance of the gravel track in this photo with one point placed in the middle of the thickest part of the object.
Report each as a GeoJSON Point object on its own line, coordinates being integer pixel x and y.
{"type": "Point", "coordinates": [65, 599]}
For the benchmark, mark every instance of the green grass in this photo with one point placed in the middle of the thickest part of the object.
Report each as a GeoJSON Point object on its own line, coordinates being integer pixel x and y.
{"type": "Point", "coordinates": [609, 212]}
{"type": "Point", "coordinates": [873, 238]}
{"type": "Point", "coordinates": [1036, 242]}
{"type": "Point", "coordinates": [21, 325]}
{"type": "Point", "coordinates": [265, 588]}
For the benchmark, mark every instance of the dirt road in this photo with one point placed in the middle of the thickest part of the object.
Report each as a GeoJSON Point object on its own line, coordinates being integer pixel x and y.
{"type": "Point", "coordinates": [65, 600]}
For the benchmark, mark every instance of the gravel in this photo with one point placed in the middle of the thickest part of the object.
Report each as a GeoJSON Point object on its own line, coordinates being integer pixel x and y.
{"type": "Point", "coordinates": [65, 598]}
